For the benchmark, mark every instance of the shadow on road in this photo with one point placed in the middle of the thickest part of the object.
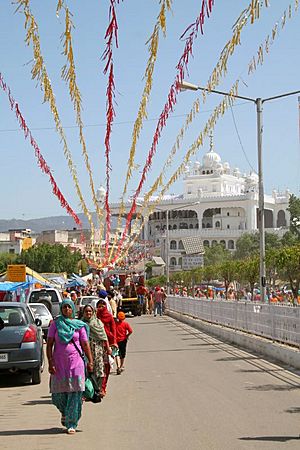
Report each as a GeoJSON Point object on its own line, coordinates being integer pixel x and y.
{"type": "Point", "coordinates": [270, 438]}
{"type": "Point", "coordinates": [38, 432]}
{"type": "Point", "coordinates": [238, 358]}
{"type": "Point", "coordinates": [37, 402]}
{"type": "Point", "coordinates": [274, 387]}
{"type": "Point", "coordinates": [14, 380]}
{"type": "Point", "coordinates": [293, 410]}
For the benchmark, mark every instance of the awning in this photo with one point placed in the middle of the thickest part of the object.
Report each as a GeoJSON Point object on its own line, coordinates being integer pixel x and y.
{"type": "Point", "coordinates": [158, 261]}
{"type": "Point", "coordinates": [193, 245]}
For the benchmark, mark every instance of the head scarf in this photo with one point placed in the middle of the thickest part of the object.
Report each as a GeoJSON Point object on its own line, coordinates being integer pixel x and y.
{"type": "Point", "coordinates": [97, 331]}
{"type": "Point", "coordinates": [66, 327]}
{"type": "Point", "coordinates": [102, 293]}
{"type": "Point", "coordinates": [102, 313]}
{"type": "Point", "coordinates": [121, 315]}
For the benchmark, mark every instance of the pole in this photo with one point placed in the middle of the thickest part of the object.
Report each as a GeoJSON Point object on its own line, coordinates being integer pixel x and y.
{"type": "Point", "coordinates": [261, 215]}
{"type": "Point", "coordinates": [167, 254]}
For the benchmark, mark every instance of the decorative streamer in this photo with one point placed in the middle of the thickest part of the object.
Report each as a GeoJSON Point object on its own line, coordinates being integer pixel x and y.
{"type": "Point", "coordinates": [206, 9]}
{"type": "Point", "coordinates": [220, 109]}
{"type": "Point", "coordinates": [111, 36]}
{"type": "Point", "coordinates": [68, 74]}
{"type": "Point", "coordinates": [39, 72]}
{"type": "Point", "coordinates": [153, 42]}
{"type": "Point", "coordinates": [41, 161]}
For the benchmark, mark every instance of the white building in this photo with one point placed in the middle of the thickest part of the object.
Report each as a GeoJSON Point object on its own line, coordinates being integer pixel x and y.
{"type": "Point", "coordinates": [218, 205]}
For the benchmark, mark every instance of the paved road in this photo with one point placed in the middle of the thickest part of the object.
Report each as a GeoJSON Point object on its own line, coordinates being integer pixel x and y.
{"type": "Point", "coordinates": [181, 390]}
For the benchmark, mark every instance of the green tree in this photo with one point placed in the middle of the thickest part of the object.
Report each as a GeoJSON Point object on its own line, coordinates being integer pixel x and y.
{"type": "Point", "coordinates": [50, 258]}
{"type": "Point", "coordinates": [248, 244]}
{"type": "Point", "coordinates": [227, 271]}
{"type": "Point", "coordinates": [5, 259]}
{"type": "Point", "coordinates": [248, 272]}
{"type": "Point", "coordinates": [294, 210]}
{"type": "Point", "coordinates": [215, 255]}
{"type": "Point", "coordinates": [287, 262]}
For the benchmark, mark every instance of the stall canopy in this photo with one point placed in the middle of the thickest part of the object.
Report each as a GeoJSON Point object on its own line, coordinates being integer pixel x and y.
{"type": "Point", "coordinates": [9, 286]}
{"type": "Point", "coordinates": [75, 281]}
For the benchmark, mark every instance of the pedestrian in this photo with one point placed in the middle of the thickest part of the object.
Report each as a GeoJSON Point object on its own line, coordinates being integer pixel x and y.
{"type": "Point", "coordinates": [123, 330]}
{"type": "Point", "coordinates": [112, 302]}
{"type": "Point", "coordinates": [66, 366]}
{"type": "Point", "coordinates": [158, 299]}
{"type": "Point", "coordinates": [104, 296]}
{"type": "Point", "coordinates": [150, 302]}
{"type": "Point", "coordinates": [110, 329]}
{"type": "Point", "coordinates": [98, 341]}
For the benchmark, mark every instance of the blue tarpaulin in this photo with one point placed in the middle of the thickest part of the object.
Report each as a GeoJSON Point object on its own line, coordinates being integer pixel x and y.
{"type": "Point", "coordinates": [74, 281]}
{"type": "Point", "coordinates": [10, 286]}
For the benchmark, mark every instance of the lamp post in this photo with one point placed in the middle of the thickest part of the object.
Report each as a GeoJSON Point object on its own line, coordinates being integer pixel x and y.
{"type": "Point", "coordinates": [259, 117]}
{"type": "Point", "coordinates": [168, 237]}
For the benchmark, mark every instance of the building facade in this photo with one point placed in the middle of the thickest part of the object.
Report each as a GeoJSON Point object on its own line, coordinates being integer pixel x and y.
{"type": "Point", "coordinates": [218, 204]}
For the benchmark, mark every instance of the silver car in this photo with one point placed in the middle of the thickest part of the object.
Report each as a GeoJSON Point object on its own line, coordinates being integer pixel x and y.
{"type": "Point", "coordinates": [21, 340]}
{"type": "Point", "coordinates": [41, 311]}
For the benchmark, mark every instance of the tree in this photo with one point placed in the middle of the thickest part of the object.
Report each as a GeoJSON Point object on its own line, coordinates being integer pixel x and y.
{"type": "Point", "coordinates": [248, 244]}
{"type": "Point", "coordinates": [227, 271]}
{"type": "Point", "coordinates": [294, 210]}
{"type": "Point", "coordinates": [5, 259]}
{"type": "Point", "coordinates": [215, 255]}
{"type": "Point", "coordinates": [248, 271]}
{"type": "Point", "coordinates": [287, 262]}
{"type": "Point", "coordinates": [50, 258]}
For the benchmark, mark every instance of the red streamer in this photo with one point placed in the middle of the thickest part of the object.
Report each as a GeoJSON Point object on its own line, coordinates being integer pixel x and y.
{"type": "Point", "coordinates": [111, 36]}
{"type": "Point", "coordinates": [41, 161]}
{"type": "Point", "coordinates": [206, 9]}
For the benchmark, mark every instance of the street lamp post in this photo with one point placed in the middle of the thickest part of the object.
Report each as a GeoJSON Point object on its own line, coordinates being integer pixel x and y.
{"type": "Point", "coordinates": [261, 220]}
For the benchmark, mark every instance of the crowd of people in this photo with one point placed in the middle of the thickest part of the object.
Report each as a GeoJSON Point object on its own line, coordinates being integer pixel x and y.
{"type": "Point", "coordinates": [77, 347]}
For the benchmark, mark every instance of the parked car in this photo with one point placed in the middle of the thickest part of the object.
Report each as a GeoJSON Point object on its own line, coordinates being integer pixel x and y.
{"type": "Point", "coordinates": [50, 297]}
{"type": "Point", "coordinates": [42, 312]}
{"type": "Point", "coordinates": [21, 340]}
{"type": "Point", "coordinates": [85, 300]}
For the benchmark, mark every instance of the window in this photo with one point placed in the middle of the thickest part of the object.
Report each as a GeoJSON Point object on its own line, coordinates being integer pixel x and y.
{"type": "Point", "coordinates": [228, 227]}
{"type": "Point", "coordinates": [214, 243]}
{"type": "Point", "coordinates": [230, 245]}
{"type": "Point", "coordinates": [218, 224]}
{"type": "Point", "coordinates": [228, 214]}
{"type": "Point", "coordinates": [180, 245]}
{"type": "Point", "coordinates": [173, 245]}
{"type": "Point", "coordinates": [191, 226]}
{"type": "Point", "coordinates": [206, 243]}
{"type": "Point", "coordinates": [173, 261]}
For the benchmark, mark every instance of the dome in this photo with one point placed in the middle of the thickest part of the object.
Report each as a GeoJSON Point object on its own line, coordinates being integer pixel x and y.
{"type": "Point", "coordinates": [100, 194]}
{"type": "Point", "coordinates": [197, 164]}
{"type": "Point", "coordinates": [226, 165]}
{"type": "Point", "coordinates": [211, 159]}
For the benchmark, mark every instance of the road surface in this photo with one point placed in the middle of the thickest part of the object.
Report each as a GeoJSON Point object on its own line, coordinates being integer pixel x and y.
{"type": "Point", "coordinates": [181, 390]}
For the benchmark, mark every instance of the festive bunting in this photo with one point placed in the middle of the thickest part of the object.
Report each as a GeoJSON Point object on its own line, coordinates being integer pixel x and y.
{"type": "Point", "coordinates": [142, 112]}
{"type": "Point", "coordinates": [39, 72]}
{"type": "Point", "coordinates": [218, 111]}
{"type": "Point", "coordinates": [190, 37]}
{"type": "Point", "coordinates": [41, 161]}
{"type": "Point", "coordinates": [111, 36]}
{"type": "Point", "coordinates": [68, 74]}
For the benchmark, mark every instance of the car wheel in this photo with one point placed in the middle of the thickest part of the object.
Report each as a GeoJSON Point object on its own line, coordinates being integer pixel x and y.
{"type": "Point", "coordinates": [36, 375]}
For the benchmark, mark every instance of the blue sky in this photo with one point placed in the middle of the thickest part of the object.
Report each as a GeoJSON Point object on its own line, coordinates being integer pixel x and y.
{"type": "Point", "coordinates": [26, 192]}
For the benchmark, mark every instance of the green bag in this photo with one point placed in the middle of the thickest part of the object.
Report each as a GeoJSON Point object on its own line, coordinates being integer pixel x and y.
{"type": "Point", "coordinates": [89, 389]}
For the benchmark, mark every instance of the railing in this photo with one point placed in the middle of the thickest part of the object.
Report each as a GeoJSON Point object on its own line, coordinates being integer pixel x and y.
{"type": "Point", "coordinates": [277, 322]}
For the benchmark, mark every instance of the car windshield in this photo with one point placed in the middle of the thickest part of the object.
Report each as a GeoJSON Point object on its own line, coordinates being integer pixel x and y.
{"type": "Point", "coordinates": [13, 316]}
{"type": "Point", "coordinates": [37, 296]}
{"type": "Point", "coordinates": [87, 300]}
{"type": "Point", "coordinates": [40, 310]}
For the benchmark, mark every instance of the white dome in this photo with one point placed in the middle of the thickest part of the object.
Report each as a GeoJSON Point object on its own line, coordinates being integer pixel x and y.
{"type": "Point", "coordinates": [226, 165]}
{"type": "Point", "coordinates": [211, 159]}
{"type": "Point", "coordinates": [197, 164]}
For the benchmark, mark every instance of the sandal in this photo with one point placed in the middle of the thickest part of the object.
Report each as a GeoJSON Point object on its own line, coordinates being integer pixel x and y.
{"type": "Point", "coordinates": [71, 431]}
{"type": "Point", "coordinates": [63, 421]}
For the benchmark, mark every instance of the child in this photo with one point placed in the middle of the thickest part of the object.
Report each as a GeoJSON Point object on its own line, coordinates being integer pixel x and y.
{"type": "Point", "coordinates": [124, 330]}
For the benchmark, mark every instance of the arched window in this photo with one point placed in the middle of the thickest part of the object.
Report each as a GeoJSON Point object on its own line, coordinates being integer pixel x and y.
{"type": "Point", "coordinates": [206, 243]}
{"type": "Point", "coordinates": [223, 243]}
{"type": "Point", "coordinates": [170, 227]}
{"type": "Point", "coordinates": [175, 227]}
{"type": "Point", "coordinates": [218, 224]}
{"type": "Point", "coordinates": [180, 262]}
{"type": "Point", "coordinates": [197, 225]}
{"type": "Point", "coordinates": [173, 261]}
{"type": "Point", "coordinates": [230, 245]}
{"type": "Point", "coordinates": [180, 245]}
{"type": "Point", "coordinates": [191, 226]}
{"type": "Point", "coordinates": [183, 226]}
{"type": "Point", "coordinates": [281, 220]}
{"type": "Point", "coordinates": [203, 225]}
{"type": "Point", "coordinates": [214, 243]}
{"type": "Point", "coordinates": [173, 245]}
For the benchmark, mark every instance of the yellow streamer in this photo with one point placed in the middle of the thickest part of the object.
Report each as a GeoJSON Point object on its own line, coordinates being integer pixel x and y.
{"type": "Point", "coordinates": [39, 72]}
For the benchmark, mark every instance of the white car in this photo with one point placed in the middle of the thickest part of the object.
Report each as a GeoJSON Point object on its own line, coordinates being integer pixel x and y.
{"type": "Point", "coordinates": [85, 300]}
{"type": "Point", "coordinates": [41, 312]}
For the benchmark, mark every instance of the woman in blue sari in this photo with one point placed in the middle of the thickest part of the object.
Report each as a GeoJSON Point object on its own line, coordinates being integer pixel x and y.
{"type": "Point", "coordinates": [66, 364]}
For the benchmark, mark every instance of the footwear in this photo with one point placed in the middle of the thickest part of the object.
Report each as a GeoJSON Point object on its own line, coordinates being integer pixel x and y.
{"type": "Point", "coordinates": [122, 369]}
{"type": "Point", "coordinates": [119, 371]}
{"type": "Point", "coordinates": [63, 421]}
{"type": "Point", "coordinates": [71, 430]}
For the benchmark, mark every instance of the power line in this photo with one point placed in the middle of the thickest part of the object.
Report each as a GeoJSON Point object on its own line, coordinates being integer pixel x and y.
{"type": "Point", "coordinates": [4, 130]}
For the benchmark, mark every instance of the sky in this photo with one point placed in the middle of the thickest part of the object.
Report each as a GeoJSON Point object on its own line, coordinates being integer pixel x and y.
{"type": "Point", "coordinates": [25, 190]}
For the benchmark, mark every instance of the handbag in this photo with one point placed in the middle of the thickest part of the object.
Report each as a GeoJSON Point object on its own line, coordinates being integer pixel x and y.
{"type": "Point", "coordinates": [92, 390]}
